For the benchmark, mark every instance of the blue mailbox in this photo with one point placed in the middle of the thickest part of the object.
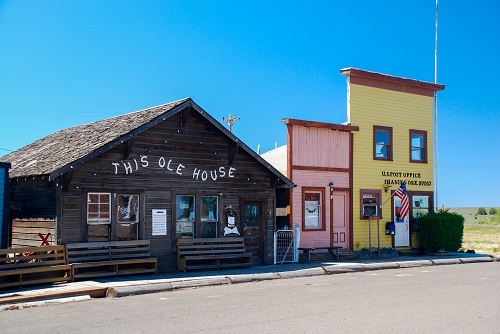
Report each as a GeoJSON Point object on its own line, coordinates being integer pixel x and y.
{"type": "Point", "coordinates": [390, 228]}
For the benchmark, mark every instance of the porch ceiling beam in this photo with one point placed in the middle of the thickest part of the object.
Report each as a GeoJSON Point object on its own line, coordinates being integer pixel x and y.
{"type": "Point", "coordinates": [232, 150]}
{"type": "Point", "coordinates": [184, 116]}
{"type": "Point", "coordinates": [66, 180]}
{"type": "Point", "coordinates": [127, 148]}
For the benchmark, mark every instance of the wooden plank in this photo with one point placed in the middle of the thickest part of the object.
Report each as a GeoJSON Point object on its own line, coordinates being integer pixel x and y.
{"type": "Point", "coordinates": [32, 269]}
{"type": "Point", "coordinates": [206, 253]}
{"type": "Point", "coordinates": [110, 257]}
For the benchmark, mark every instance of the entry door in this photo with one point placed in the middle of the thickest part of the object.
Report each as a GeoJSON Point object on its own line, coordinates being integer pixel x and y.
{"type": "Point", "coordinates": [340, 219]}
{"type": "Point", "coordinates": [402, 227]}
{"type": "Point", "coordinates": [253, 228]}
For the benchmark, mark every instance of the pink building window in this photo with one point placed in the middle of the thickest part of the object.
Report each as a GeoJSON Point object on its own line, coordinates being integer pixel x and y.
{"type": "Point", "coordinates": [313, 209]}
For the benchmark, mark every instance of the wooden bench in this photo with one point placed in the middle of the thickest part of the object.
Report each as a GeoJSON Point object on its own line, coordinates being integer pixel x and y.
{"type": "Point", "coordinates": [333, 250]}
{"type": "Point", "coordinates": [33, 265]}
{"type": "Point", "coordinates": [212, 253]}
{"type": "Point", "coordinates": [111, 258]}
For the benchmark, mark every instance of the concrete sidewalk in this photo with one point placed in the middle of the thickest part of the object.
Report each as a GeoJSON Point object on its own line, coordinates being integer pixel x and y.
{"type": "Point", "coordinates": [134, 285]}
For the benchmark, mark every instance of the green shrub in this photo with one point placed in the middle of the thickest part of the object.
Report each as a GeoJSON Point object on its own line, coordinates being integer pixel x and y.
{"type": "Point", "coordinates": [481, 211]}
{"type": "Point", "coordinates": [492, 211]}
{"type": "Point", "coordinates": [442, 230]}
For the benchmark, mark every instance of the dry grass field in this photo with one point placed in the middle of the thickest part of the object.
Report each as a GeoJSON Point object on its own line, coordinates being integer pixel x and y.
{"type": "Point", "coordinates": [481, 232]}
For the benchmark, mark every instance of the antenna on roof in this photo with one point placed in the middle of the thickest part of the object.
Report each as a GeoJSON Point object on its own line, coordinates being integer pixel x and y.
{"type": "Point", "coordinates": [230, 121]}
{"type": "Point", "coordinates": [436, 202]}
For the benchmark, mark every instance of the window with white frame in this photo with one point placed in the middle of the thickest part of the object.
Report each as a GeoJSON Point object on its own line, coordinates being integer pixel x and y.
{"type": "Point", "coordinates": [98, 216]}
{"type": "Point", "coordinates": [382, 142]}
{"type": "Point", "coordinates": [418, 146]}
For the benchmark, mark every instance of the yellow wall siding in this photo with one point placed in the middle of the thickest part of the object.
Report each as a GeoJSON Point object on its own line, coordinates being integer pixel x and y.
{"type": "Point", "coordinates": [371, 106]}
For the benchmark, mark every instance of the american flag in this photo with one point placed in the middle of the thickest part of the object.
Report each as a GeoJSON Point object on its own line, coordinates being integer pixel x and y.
{"type": "Point", "coordinates": [405, 205]}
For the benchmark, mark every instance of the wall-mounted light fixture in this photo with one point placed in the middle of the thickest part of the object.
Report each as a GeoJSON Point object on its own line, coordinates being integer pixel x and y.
{"type": "Point", "coordinates": [386, 187]}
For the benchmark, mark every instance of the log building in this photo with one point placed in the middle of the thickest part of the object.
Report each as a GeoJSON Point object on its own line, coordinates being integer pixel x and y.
{"type": "Point", "coordinates": [162, 173]}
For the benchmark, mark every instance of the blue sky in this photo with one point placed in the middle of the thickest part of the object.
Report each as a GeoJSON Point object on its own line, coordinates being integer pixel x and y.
{"type": "Point", "coordinates": [65, 63]}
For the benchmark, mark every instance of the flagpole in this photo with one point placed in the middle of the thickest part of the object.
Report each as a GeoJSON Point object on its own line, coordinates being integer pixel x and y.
{"type": "Point", "coordinates": [436, 113]}
{"type": "Point", "coordinates": [392, 195]}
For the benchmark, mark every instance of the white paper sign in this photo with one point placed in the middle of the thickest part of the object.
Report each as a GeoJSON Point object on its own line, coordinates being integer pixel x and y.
{"type": "Point", "coordinates": [159, 222]}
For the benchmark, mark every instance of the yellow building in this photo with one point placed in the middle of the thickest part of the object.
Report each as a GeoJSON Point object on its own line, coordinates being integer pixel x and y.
{"type": "Point", "coordinates": [394, 144]}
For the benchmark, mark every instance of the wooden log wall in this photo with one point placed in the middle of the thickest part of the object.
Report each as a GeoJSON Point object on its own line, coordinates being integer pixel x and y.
{"type": "Point", "coordinates": [144, 168]}
{"type": "Point", "coordinates": [25, 231]}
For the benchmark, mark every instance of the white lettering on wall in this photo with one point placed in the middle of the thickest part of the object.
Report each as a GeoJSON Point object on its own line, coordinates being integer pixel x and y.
{"type": "Point", "coordinates": [144, 160]}
{"type": "Point", "coordinates": [222, 172]}
{"type": "Point", "coordinates": [196, 173]}
{"type": "Point", "coordinates": [168, 165]}
{"type": "Point", "coordinates": [161, 162]}
{"type": "Point", "coordinates": [128, 167]}
{"type": "Point", "coordinates": [116, 167]}
{"type": "Point", "coordinates": [179, 169]}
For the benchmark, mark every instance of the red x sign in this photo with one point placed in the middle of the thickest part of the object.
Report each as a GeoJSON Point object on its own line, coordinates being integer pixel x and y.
{"type": "Point", "coordinates": [44, 238]}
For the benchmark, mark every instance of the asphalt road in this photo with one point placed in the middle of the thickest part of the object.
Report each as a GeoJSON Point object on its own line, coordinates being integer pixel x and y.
{"type": "Point", "coordinates": [438, 299]}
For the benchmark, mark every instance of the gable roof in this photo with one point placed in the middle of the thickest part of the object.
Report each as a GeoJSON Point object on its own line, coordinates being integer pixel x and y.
{"type": "Point", "coordinates": [60, 151]}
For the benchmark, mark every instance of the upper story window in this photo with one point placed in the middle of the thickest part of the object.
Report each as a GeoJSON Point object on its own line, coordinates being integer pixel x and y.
{"type": "Point", "coordinates": [418, 146]}
{"type": "Point", "coordinates": [382, 143]}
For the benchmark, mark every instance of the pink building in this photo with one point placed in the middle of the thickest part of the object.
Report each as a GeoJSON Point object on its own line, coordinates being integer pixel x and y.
{"type": "Point", "coordinates": [318, 160]}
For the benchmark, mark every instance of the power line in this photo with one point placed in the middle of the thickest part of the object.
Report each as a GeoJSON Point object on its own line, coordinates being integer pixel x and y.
{"type": "Point", "coordinates": [6, 149]}
{"type": "Point", "coordinates": [470, 167]}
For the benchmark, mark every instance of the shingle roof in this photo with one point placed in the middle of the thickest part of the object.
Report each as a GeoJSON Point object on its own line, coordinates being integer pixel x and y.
{"type": "Point", "coordinates": [65, 146]}
{"type": "Point", "coordinates": [55, 153]}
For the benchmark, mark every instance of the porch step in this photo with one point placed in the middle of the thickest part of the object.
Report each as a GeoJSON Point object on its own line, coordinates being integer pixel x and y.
{"type": "Point", "coordinates": [348, 255]}
{"type": "Point", "coordinates": [344, 254]}
{"type": "Point", "coordinates": [408, 252]}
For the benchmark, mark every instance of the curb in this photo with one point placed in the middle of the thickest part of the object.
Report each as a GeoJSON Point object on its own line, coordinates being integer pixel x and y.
{"type": "Point", "coordinates": [343, 269]}
{"type": "Point", "coordinates": [234, 279]}
{"type": "Point", "coordinates": [16, 301]}
{"type": "Point", "coordinates": [115, 292]}
{"type": "Point", "coordinates": [383, 265]}
{"type": "Point", "coordinates": [476, 259]}
{"type": "Point", "coordinates": [414, 264]}
{"type": "Point", "coordinates": [303, 273]}
{"type": "Point", "coordinates": [124, 291]}
{"type": "Point", "coordinates": [438, 262]}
